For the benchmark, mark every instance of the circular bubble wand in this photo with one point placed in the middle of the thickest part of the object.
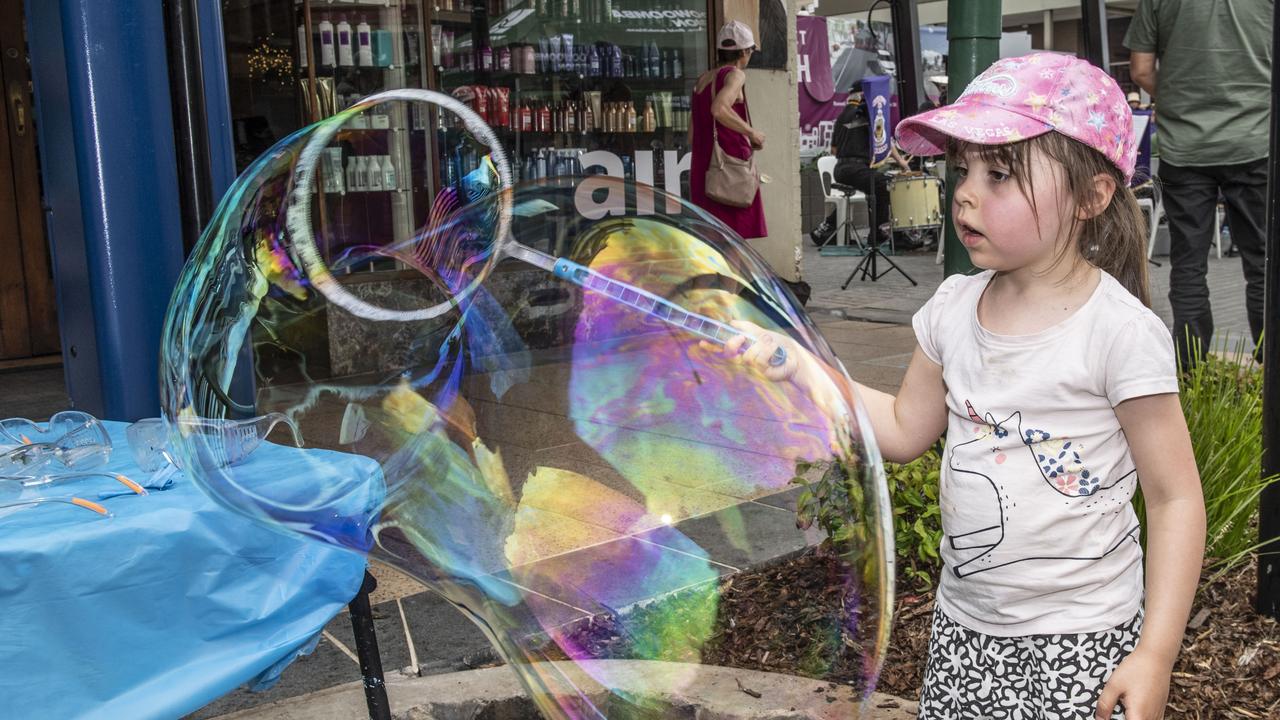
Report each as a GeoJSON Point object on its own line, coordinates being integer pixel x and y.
{"type": "Point", "coordinates": [301, 234]}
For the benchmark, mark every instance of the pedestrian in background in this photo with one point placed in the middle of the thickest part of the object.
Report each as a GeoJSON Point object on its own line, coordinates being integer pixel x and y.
{"type": "Point", "coordinates": [1213, 84]}
{"type": "Point", "coordinates": [720, 112]}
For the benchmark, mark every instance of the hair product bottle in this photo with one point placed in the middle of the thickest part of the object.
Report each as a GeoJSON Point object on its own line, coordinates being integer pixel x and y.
{"type": "Point", "coordinates": [364, 45]}
{"type": "Point", "coordinates": [326, 44]}
{"type": "Point", "coordinates": [345, 58]}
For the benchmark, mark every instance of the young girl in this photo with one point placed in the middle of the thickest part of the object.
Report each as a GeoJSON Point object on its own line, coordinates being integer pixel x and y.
{"type": "Point", "coordinates": [1057, 390]}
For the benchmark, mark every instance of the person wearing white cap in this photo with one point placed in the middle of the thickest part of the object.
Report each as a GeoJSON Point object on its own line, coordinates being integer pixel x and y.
{"type": "Point", "coordinates": [1134, 100]}
{"type": "Point", "coordinates": [720, 113]}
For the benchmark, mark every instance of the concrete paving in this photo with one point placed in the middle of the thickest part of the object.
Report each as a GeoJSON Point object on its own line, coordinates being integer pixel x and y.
{"type": "Point", "coordinates": [443, 640]}
{"type": "Point", "coordinates": [710, 693]}
{"type": "Point", "coordinates": [867, 325]}
{"type": "Point", "coordinates": [893, 299]}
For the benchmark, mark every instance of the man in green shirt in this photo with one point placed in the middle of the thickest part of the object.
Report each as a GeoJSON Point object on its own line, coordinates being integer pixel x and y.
{"type": "Point", "coordinates": [1207, 66]}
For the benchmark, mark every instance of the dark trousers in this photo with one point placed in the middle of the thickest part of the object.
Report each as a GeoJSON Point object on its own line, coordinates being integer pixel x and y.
{"type": "Point", "coordinates": [1190, 203]}
{"type": "Point", "coordinates": [856, 173]}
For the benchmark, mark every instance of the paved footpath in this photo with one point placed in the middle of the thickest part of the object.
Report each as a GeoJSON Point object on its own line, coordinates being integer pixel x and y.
{"type": "Point", "coordinates": [894, 299]}
{"type": "Point", "coordinates": [868, 326]}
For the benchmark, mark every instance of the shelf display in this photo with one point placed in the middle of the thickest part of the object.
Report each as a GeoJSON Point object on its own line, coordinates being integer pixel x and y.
{"type": "Point", "coordinates": [570, 87]}
{"type": "Point", "coordinates": [558, 79]}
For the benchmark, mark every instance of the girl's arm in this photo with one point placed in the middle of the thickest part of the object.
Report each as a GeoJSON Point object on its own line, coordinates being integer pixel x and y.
{"type": "Point", "coordinates": [1157, 435]}
{"type": "Point", "coordinates": [905, 426]}
{"type": "Point", "coordinates": [909, 423]}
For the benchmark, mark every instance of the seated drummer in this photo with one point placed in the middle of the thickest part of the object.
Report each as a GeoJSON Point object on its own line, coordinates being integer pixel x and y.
{"type": "Point", "coordinates": [851, 144]}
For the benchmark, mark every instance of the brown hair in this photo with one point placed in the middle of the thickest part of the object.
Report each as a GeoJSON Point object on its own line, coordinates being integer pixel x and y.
{"type": "Point", "coordinates": [1114, 239]}
{"type": "Point", "coordinates": [728, 56]}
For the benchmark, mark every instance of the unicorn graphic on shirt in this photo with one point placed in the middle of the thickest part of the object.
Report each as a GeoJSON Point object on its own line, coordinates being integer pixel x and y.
{"type": "Point", "coordinates": [1035, 468]}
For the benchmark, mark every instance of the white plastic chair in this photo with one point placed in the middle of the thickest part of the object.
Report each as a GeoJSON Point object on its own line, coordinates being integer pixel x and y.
{"type": "Point", "coordinates": [1154, 209]}
{"type": "Point", "coordinates": [838, 198]}
{"type": "Point", "coordinates": [1219, 216]}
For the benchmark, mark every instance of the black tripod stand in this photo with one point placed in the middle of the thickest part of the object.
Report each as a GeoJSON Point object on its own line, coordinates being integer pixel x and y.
{"type": "Point", "coordinates": [867, 267]}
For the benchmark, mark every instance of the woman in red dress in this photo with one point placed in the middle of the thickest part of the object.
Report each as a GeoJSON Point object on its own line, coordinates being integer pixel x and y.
{"type": "Point", "coordinates": [720, 97]}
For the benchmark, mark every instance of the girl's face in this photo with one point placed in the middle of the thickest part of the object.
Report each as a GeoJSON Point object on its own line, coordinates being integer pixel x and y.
{"type": "Point", "coordinates": [998, 224]}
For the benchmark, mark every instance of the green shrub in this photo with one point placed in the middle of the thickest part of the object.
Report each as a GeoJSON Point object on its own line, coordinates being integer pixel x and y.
{"type": "Point", "coordinates": [1222, 401]}
{"type": "Point", "coordinates": [829, 498]}
{"type": "Point", "coordinates": [917, 519]}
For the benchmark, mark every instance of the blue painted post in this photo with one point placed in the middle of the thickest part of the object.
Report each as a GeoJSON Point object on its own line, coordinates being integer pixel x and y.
{"type": "Point", "coordinates": [124, 191]}
{"type": "Point", "coordinates": [61, 190]}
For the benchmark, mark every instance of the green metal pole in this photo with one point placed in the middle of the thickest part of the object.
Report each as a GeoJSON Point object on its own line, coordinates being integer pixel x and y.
{"type": "Point", "coordinates": [973, 33]}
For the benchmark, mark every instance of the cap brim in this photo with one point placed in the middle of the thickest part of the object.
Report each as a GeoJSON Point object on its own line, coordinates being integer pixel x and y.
{"type": "Point", "coordinates": [928, 132]}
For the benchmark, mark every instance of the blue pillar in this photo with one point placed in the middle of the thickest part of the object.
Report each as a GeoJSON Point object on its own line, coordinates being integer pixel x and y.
{"type": "Point", "coordinates": [217, 99]}
{"type": "Point", "coordinates": [110, 180]}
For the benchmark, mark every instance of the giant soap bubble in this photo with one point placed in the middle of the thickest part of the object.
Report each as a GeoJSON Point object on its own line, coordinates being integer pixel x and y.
{"type": "Point", "coordinates": [579, 409]}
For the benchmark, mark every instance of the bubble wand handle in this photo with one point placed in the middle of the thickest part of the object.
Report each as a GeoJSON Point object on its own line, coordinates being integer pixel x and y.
{"type": "Point", "coordinates": [654, 306]}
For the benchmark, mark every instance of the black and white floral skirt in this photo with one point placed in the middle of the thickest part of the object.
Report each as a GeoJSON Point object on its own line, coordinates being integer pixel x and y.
{"type": "Point", "coordinates": [972, 676]}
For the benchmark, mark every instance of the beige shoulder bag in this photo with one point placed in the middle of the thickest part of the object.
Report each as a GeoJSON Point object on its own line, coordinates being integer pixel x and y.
{"type": "Point", "coordinates": [731, 181]}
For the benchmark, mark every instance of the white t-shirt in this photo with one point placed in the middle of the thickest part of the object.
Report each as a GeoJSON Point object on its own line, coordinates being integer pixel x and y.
{"type": "Point", "coordinates": [1039, 536]}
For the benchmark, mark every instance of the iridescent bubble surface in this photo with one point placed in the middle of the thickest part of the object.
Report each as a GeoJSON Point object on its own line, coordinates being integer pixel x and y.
{"type": "Point", "coordinates": [564, 402]}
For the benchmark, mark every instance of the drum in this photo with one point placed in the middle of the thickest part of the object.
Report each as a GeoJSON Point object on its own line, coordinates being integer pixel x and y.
{"type": "Point", "coordinates": [915, 202]}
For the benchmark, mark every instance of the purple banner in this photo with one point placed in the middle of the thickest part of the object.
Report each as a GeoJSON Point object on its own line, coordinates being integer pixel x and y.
{"type": "Point", "coordinates": [1143, 127]}
{"type": "Point", "coordinates": [876, 91]}
{"type": "Point", "coordinates": [820, 104]}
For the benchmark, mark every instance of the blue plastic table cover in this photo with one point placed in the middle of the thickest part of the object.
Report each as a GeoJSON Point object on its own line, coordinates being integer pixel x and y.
{"type": "Point", "coordinates": [168, 605]}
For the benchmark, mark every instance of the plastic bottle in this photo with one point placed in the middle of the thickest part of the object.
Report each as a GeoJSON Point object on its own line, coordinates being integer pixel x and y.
{"type": "Point", "coordinates": [352, 170]}
{"type": "Point", "coordinates": [544, 118]}
{"type": "Point", "coordinates": [389, 175]}
{"type": "Point", "coordinates": [373, 174]}
{"type": "Point", "coordinates": [345, 57]}
{"type": "Point", "coordinates": [504, 58]}
{"type": "Point", "coordinates": [326, 44]}
{"type": "Point", "coordinates": [486, 58]}
{"type": "Point", "coordinates": [446, 48]}
{"type": "Point", "coordinates": [362, 173]}
{"type": "Point", "coordinates": [553, 54]}
{"type": "Point", "coordinates": [364, 45]}
{"type": "Point", "coordinates": [677, 65]}
{"type": "Point", "coordinates": [302, 45]}
{"type": "Point", "coordinates": [631, 117]}
{"type": "Point", "coordinates": [615, 64]}
{"type": "Point", "coordinates": [650, 119]}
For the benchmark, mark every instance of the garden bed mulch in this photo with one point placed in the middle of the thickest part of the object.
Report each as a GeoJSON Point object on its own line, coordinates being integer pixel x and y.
{"type": "Point", "coordinates": [1229, 666]}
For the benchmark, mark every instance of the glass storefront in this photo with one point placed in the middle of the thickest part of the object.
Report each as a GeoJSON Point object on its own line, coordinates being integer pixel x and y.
{"type": "Point", "coordinates": [570, 87]}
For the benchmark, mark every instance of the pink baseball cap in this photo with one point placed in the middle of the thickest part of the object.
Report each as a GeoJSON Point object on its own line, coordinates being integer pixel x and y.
{"type": "Point", "coordinates": [1019, 98]}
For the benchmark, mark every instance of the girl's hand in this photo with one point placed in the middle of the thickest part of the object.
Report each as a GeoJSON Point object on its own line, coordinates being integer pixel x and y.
{"type": "Point", "coordinates": [800, 369]}
{"type": "Point", "coordinates": [1141, 682]}
{"type": "Point", "coordinates": [760, 346]}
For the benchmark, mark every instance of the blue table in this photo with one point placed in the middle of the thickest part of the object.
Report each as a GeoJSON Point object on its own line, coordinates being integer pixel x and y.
{"type": "Point", "coordinates": [164, 607]}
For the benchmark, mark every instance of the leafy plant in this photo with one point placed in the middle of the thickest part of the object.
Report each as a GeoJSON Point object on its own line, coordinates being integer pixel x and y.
{"type": "Point", "coordinates": [1222, 401]}
{"type": "Point", "coordinates": [836, 505]}
{"type": "Point", "coordinates": [917, 519]}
